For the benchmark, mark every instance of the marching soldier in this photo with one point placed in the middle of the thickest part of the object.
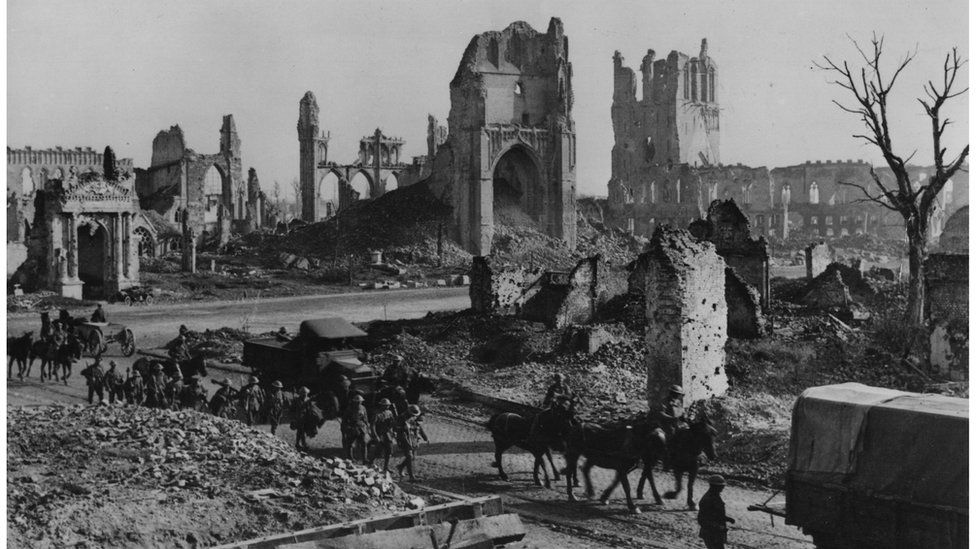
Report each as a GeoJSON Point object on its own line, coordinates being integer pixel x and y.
{"type": "Point", "coordinates": [304, 419]}
{"type": "Point", "coordinates": [194, 395]}
{"type": "Point", "coordinates": [711, 515]}
{"type": "Point", "coordinates": [221, 401]}
{"type": "Point", "coordinates": [384, 427]}
{"type": "Point", "coordinates": [275, 405]}
{"type": "Point", "coordinates": [558, 387]}
{"type": "Point", "coordinates": [409, 433]}
{"type": "Point", "coordinates": [400, 403]}
{"type": "Point", "coordinates": [95, 378]}
{"type": "Point", "coordinates": [135, 391]}
{"type": "Point", "coordinates": [113, 383]}
{"type": "Point", "coordinates": [355, 427]}
{"type": "Point", "coordinates": [252, 400]}
{"type": "Point", "coordinates": [156, 388]}
{"type": "Point", "coordinates": [174, 391]}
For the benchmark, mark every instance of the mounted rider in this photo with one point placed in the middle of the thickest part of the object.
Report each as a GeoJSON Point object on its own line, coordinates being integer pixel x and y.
{"type": "Point", "coordinates": [671, 414]}
{"type": "Point", "coordinates": [557, 388]}
{"type": "Point", "coordinates": [180, 352]}
{"type": "Point", "coordinates": [398, 372]}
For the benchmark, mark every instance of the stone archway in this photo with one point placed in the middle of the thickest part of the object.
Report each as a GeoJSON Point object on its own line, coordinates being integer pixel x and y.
{"type": "Point", "coordinates": [93, 252]}
{"type": "Point", "coordinates": [517, 190]}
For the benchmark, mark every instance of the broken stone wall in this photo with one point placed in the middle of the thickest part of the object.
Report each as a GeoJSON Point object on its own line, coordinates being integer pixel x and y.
{"type": "Point", "coordinates": [828, 291]}
{"type": "Point", "coordinates": [730, 230]}
{"type": "Point", "coordinates": [499, 288]}
{"type": "Point", "coordinates": [569, 298]}
{"type": "Point", "coordinates": [744, 304]}
{"type": "Point", "coordinates": [687, 316]}
{"type": "Point", "coordinates": [818, 256]}
{"type": "Point", "coordinates": [947, 311]}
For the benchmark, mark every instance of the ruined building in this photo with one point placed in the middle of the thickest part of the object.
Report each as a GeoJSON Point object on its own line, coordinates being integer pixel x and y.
{"type": "Point", "coordinates": [666, 166]}
{"type": "Point", "coordinates": [208, 189]}
{"type": "Point", "coordinates": [511, 143]}
{"type": "Point", "coordinates": [84, 229]}
{"type": "Point", "coordinates": [380, 165]}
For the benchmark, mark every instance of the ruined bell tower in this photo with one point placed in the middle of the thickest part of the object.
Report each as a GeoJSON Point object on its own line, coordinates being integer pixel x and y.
{"type": "Point", "coordinates": [313, 151]}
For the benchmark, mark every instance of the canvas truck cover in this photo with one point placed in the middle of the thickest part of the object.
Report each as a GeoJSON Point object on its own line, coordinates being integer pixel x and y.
{"type": "Point", "coordinates": [329, 328]}
{"type": "Point", "coordinates": [886, 443]}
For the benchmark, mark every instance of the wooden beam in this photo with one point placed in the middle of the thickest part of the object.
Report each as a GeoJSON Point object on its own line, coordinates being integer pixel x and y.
{"type": "Point", "coordinates": [484, 532]}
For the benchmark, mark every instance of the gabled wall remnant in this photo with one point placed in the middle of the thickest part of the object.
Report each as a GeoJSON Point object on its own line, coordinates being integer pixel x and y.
{"type": "Point", "coordinates": [818, 255]}
{"type": "Point", "coordinates": [955, 235]}
{"type": "Point", "coordinates": [686, 316]}
{"type": "Point", "coordinates": [828, 291]}
{"type": "Point", "coordinates": [745, 317]}
{"type": "Point", "coordinates": [729, 230]}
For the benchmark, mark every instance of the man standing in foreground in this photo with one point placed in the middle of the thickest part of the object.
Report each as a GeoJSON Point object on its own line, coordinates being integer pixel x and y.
{"type": "Point", "coordinates": [711, 515]}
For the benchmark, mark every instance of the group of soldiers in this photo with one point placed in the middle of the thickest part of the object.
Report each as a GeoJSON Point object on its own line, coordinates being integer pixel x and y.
{"type": "Point", "coordinates": [712, 520]}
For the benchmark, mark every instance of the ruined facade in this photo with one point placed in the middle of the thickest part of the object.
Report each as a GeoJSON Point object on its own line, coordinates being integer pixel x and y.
{"type": "Point", "coordinates": [500, 289]}
{"type": "Point", "coordinates": [86, 238]}
{"type": "Point", "coordinates": [729, 230]}
{"type": "Point", "coordinates": [566, 298]}
{"type": "Point", "coordinates": [816, 258]}
{"type": "Point", "coordinates": [686, 316]}
{"type": "Point", "coordinates": [202, 188]}
{"type": "Point", "coordinates": [511, 142]}
{"type": "Point", "coordinates": [326, 186]}
{"type": "Point", "coordinates": [666, 165]}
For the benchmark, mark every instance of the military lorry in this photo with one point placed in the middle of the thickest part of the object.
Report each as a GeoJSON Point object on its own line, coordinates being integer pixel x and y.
{"type": "Point", "coordinates": [877, 468]}
{"type": "Point", "coordinates": [323, 350]}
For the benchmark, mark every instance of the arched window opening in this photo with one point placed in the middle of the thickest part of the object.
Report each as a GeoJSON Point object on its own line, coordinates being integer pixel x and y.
{"type": "Point", "coordinates": [360, 187]}
{"type": "Point", "coordinates": [814, 193]}
{"type": "Point", "coordinates": [27, 185]}
{"type": "Point", "coordinates": [213, 187]}
{"type": "Point", "coordinates": [328, 195]}
{"type": "Point", "coordinates": [145, 242]}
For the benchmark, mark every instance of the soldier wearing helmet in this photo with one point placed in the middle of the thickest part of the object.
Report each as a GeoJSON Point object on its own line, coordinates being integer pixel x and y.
{"type": "Point", "coordinates": [306, 418]}
{"type": "Point", "coordinates": [671, 416]}
{"type": "Point", "coordinates": [557, 388]}
{"type": "Point", "coordinates": [275, 405]}
{"type": "Point", "coordinates": [398, 372]}
{"type": "Point", "coordinates": [113, 383]}
{"type": "Point", "coordinates": [174, 390]}
{"type": "Point", "coordinates": [252, 400]}
{"type": "Point", "coordinates": [400, 402]}
{"type": "Point", "coordinates": [409, 433]}
{"type": "Point", "coordinates": [355, 428]}
{"type": "Point", "coordinates": [384, 425]}
{"type": "Point", "coordinates": [222, 402]}
{"type": "Point", "coordinates": [711, 515]}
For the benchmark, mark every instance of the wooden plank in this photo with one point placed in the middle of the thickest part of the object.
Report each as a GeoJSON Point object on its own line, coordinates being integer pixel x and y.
{"type": "Point", "coordinates": [472, 533]}
{"type": "Point", "coordinates": [460, 510]}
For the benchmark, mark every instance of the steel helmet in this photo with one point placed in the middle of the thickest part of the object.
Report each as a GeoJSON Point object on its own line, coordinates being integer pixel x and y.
{"type": "Point", "coordinates": [384, 403]}
{"type": "Point", "coordinates": [400, 391]}
{"type": "Point", "coordinates": [303, 390]}
{"type": "Point", "coordinates": [716, 480]}
{"type": "Point", "coordinates": [157, 366]}
{"type": "Point", "coordinates": [413, 410]}
{"type": "Point", "coordinates": [112, 363]}
{"type": "Point", "coordinates": [277, 384]}
{"type": "Point", "coordinates": [253, 379]}
{"type": "Point", "coordinates": [676, 389]}
{"type": "Point", "coordinates": [357, 398]}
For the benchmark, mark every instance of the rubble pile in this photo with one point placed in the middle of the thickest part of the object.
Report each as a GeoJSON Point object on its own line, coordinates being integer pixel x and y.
{"type": "Point", "coordinates": [111, 476]}
{"type": "Point", "coordinates": [223, 344]}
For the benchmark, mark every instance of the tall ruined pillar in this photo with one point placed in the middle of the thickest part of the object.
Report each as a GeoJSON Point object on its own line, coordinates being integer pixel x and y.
{"type": "Point", "coordinates": [313, 150]}
{"type": "Point", "coordinates": [117, 245]}
{"type": "Point", "coordinates": [686, 316]}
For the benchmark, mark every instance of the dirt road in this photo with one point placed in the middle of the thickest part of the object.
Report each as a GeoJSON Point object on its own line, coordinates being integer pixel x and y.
{"type": "Point", "coordinates": [158, 323]}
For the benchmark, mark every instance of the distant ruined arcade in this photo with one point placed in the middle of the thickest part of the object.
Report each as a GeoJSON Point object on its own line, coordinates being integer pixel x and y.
{"type": "Point", "coordinates": [511, 143]}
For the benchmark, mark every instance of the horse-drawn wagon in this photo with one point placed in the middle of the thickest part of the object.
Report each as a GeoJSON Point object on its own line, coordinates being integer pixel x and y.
{"type": "Point", "coordinates": [96, 336]}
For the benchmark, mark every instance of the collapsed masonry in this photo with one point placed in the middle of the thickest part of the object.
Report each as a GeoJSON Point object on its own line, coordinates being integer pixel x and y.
{"type": "Point", "coordinates": [686, 316]}
{"type": "Point", "coordinates": [556, 298]}
{"type": "Point", "coordinates": [947, 311]}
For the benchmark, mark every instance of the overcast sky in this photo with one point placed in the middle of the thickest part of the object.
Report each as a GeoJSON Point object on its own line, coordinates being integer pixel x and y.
{"type": "Point", "coordinates": [116, 72]}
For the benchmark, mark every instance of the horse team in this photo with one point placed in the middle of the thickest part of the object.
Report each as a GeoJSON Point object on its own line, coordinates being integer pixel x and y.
{"type": "Point", "coordinates": [621, 447]}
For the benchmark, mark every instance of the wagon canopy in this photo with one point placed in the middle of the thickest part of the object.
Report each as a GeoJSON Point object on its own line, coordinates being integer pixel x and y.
{"type": "Point", "coordinates": [890, 443]}
{"type": "Point", "coordinates": [329, 328]}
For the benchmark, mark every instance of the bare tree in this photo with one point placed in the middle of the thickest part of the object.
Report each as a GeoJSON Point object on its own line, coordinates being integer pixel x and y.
{"type": "Point", "coordinates": [276, 194]}
{"type": "Point", "coordinates": [871, 88]}
{"type": "Point", "coordinates": [297, 188]}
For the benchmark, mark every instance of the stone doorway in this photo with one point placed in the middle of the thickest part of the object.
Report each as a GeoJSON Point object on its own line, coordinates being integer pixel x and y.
{"type": "Point", "coordinates": [92, 257]}
{"type": "Point", "coordinates": [516, 189]}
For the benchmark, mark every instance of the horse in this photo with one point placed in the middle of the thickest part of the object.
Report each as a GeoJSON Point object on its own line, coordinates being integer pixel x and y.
{"type": "Point", "coordinates": [18, 349]}
{"type": "Point", "coordinates": [45, 349]}
{"type": "Point", "coordinates": [654, 445]}
{"type": "Point", "coordinates": [617, 447]}
{"type": "Point", "coordinates": [66, 356]}
{"type": "Point", "coordinates": [510, 429]}
{"type": "Point", "coordinates": [683, 451]}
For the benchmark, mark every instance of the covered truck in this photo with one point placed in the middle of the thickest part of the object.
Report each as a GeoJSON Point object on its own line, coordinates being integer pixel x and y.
{"type": "Point", "coordinates": [323, 351]}
{"type": "Point", "coordinates": [873, 468]}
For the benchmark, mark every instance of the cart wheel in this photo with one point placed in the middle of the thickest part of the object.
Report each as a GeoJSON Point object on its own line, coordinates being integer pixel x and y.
{"type": "Point", "coordinates": [96, 344]}
{"type": "Point", "coordinates": [149, 300]}
{"type": "Point", "coordinates": [128, 343]}
{"type": "Point", "coordinates": [127, 301]}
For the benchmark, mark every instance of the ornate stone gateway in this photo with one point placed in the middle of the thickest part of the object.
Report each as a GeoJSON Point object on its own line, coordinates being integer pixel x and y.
{"type": "Point", "coordinates": [87, 246]}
